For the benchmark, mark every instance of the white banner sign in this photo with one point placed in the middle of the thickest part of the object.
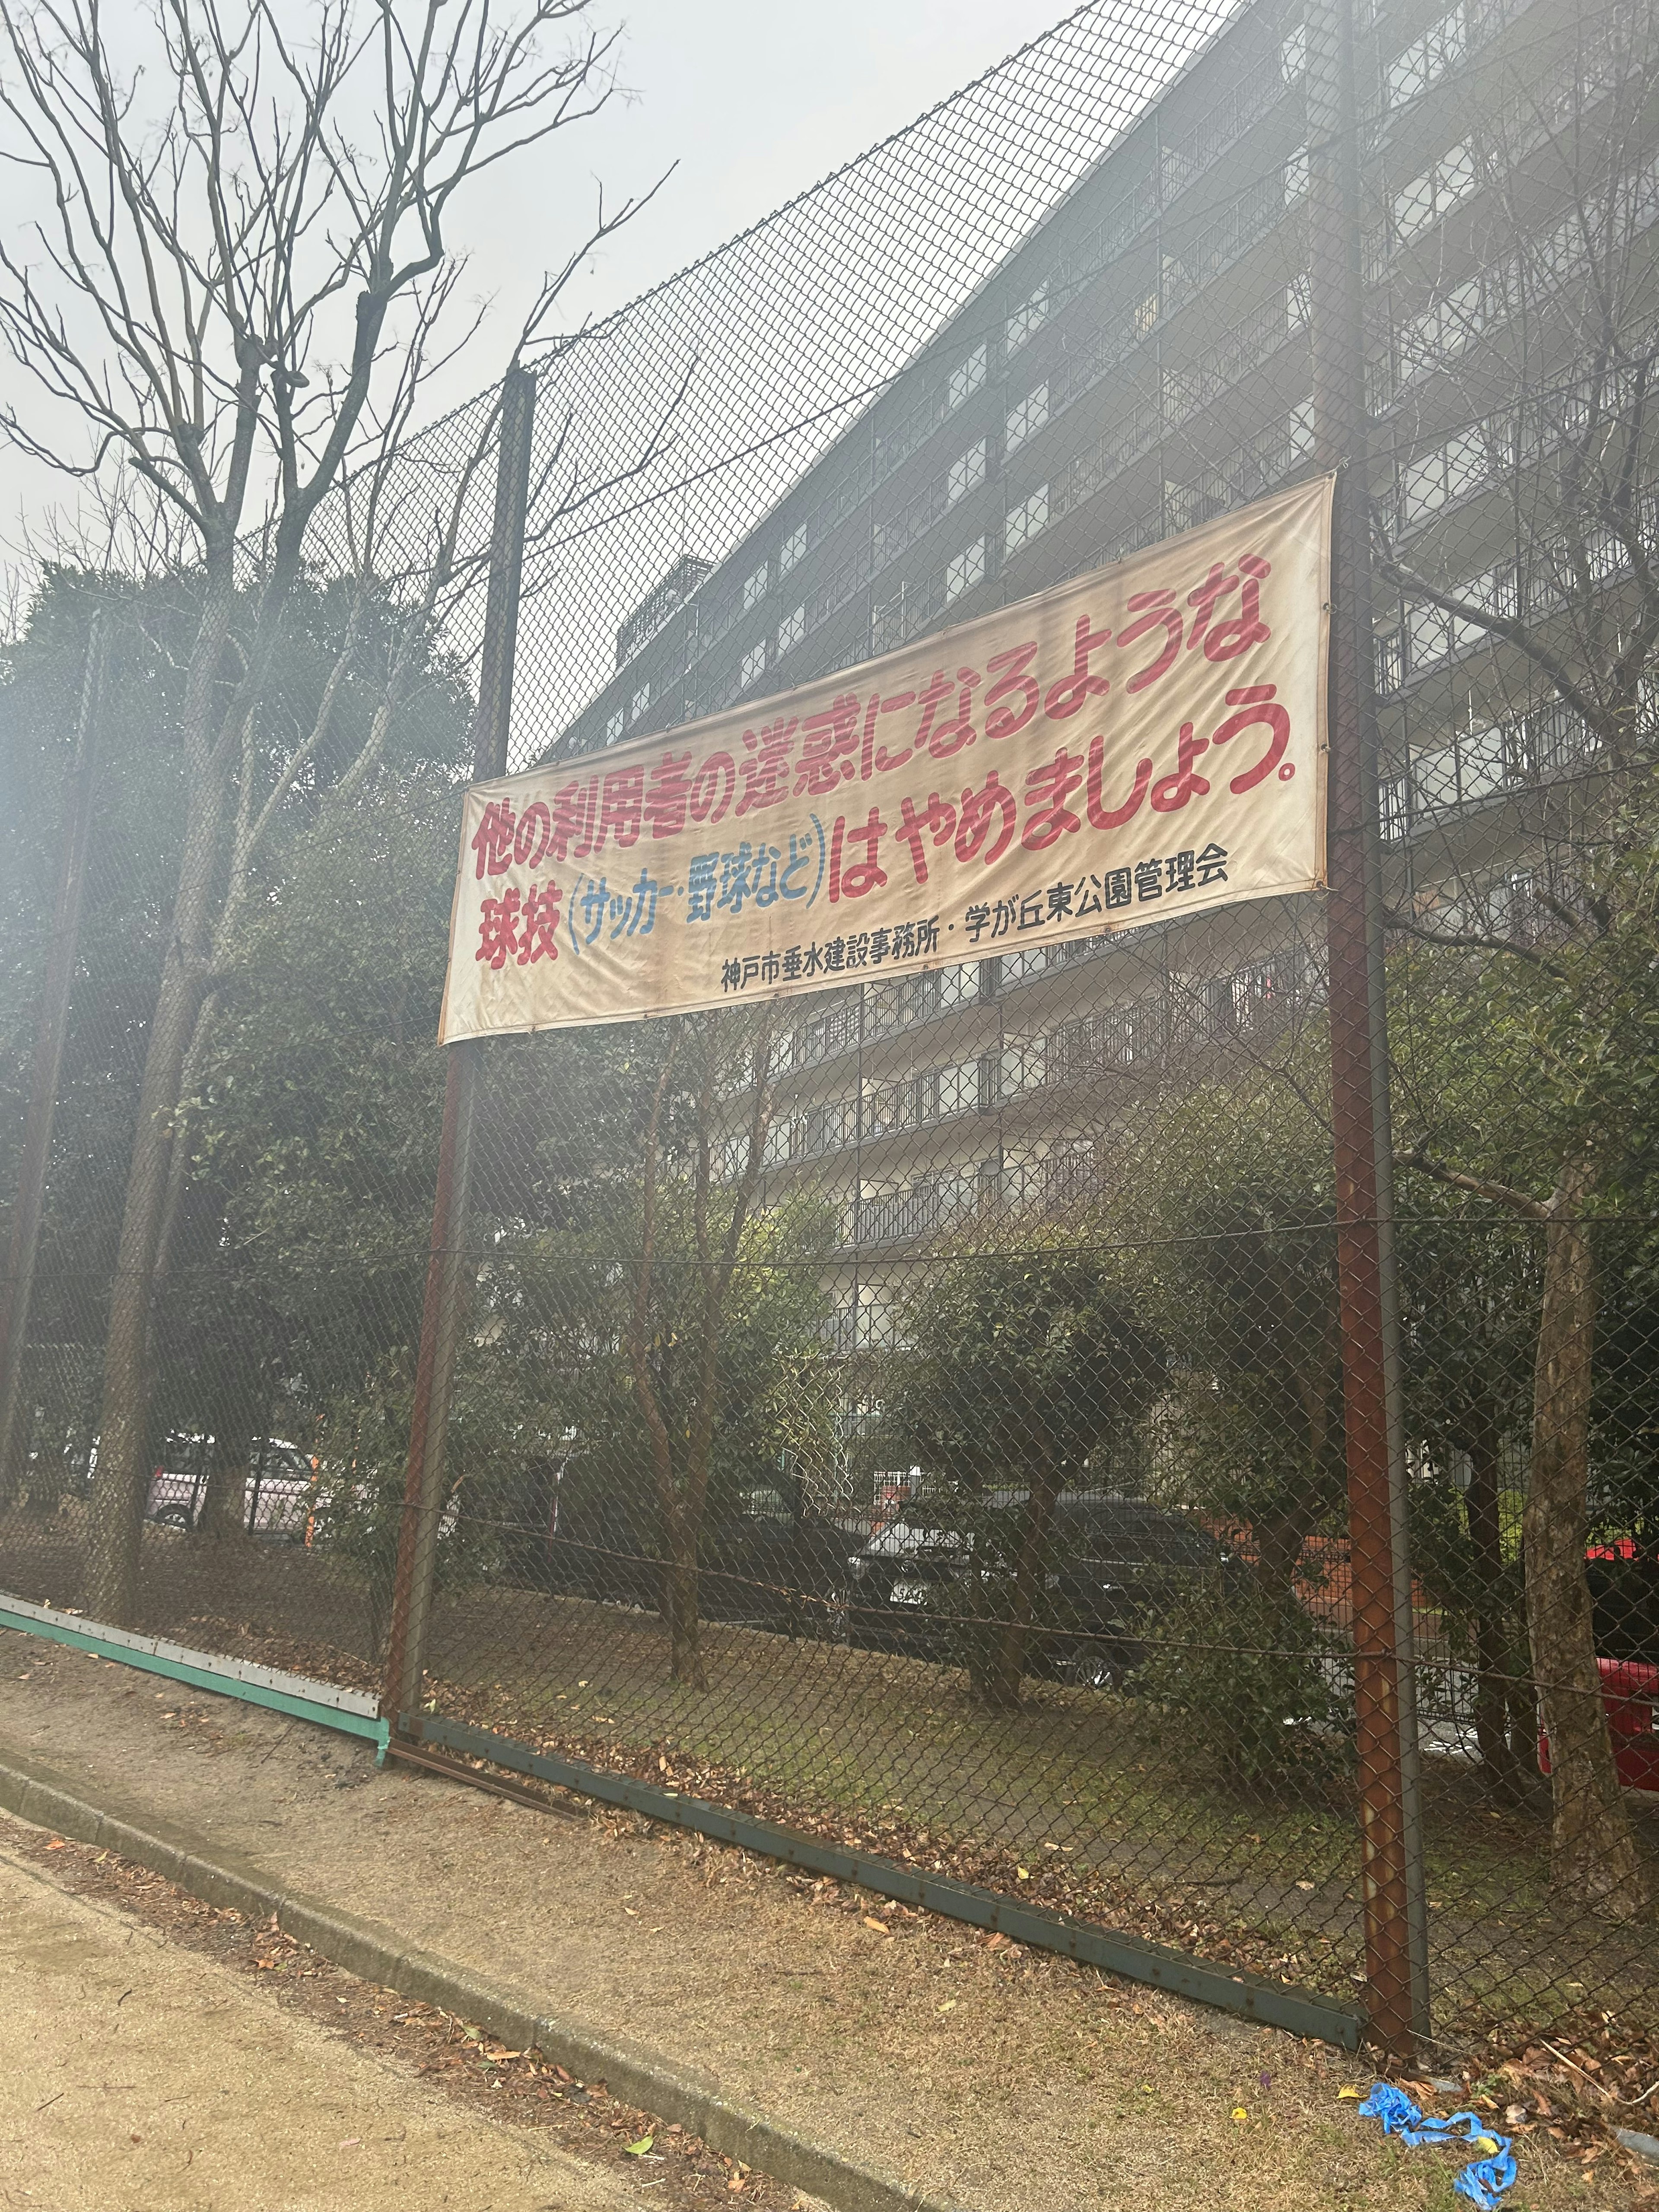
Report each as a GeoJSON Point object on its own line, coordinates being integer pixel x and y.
{"type": "Point", "coordinates": [1140, 744]}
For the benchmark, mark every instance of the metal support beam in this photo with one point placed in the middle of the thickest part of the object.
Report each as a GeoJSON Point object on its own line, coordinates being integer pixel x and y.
{"type": "Point", "coordinates": [1390, 1837]}
{"type": "Point", "coordinates": [443, 1313]}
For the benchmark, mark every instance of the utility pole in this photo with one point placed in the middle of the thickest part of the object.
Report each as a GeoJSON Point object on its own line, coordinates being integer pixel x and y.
{"type": "Point", "coordinates": [444, 1314]}
{"type": "Point", "coordinates": [18, 1290]}
{"type": "Point", "coordinates": [1390, 1812]}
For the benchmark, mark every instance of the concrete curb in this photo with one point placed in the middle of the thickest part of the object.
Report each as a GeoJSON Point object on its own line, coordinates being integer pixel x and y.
{"type": "Point", "coordinates": [33, 1793]}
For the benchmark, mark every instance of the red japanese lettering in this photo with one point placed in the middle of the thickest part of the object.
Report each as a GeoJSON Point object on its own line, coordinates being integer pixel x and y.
{"type": "Point", "coordinates": [1047, 787]}
{"type": "Point", "coordinates": [1171, 792]}
{"type": "Point", "coordinates": [1073, 692]}
{"type": "Point", "coordinates": [766, 771]}
{"type": "Point", "coordinates": [853, 879]}
{"type": "Point", "coordinates": [712, 787]}
{"type": "Point", "coordinates": [535, 835]}
{"type": "Point", "coordinates": [973, 818]}
{"type": "Point", "coordinates": [938, 819]}
{"type": "Point", "coordinates": [1256, 703]}
{"type": "Point", "coordinates": [498, 926]}
{"type": "Point", "coordinates": [1225, 641]}
{"type": "Point", "coordinates": [539, 936]}
{"type": "Point", "coordinates": [1102, 817]}
{"type": "Point", "coordinates": [620, 806]}
{"type": "Point", "coordinates": [1012, 701]}
{"type": "Point", "coordinates": [1155, 610]}
{"type": "Point", "coordinates": [828, 747]}
{"type": "Point", "coordinates": [671, 790]}
{"type": "Point", "coordinates": [942, 739]}
{"type": "Point", "coordinates": [492, 840]}
{"type": "Point", "coordinates": [574, 808]}
{"type": "Point", "coordinates": [875, 759]}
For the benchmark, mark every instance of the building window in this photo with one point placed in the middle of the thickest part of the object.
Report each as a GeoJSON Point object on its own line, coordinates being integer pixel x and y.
{"type": "Point", "coordinates": [1294, 53]}
{"type": "Point", "coordinates": [639, 702]}
{"type": "Point", "coordinates": [1026, 416]}
{"type": "Point", "coordinates": [1425, 61]}
{"type": "Point", "coordinates": [1026, 520]}
{"type": "Point", "coordinates": [754, 588]}
{"type": "Point", "coordinates": [966, 570]}
{"type": "Point", "coordinates": [1295, 174]}
{"type": "Point", "coordinates": [615, 727]}
{"type": "Point", "coordinates": [1028, 318]}
{"type": "Point", "coordinates": [967, 473]}
{"type": "Point", "coordinates": [794, 545]}
{"type": "Point", "coordinates": [966, 380]}
{"type": "Point", "coordinates": [1439, 190]}
{"type": "Point", "coordinates": [791, 630]}
{"type": "Point", "coordinates": [752, 667]}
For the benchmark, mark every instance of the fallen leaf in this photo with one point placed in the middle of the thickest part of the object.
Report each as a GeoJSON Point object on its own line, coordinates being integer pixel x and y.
{"type": "Point", "coordinates": [638, 2150]}
{"type": "Point", "coordinates": [1354, 2093]}
{"type": "Point", "coordinates": [1239, 2112]}
{"type": "Point", "coordinates": [1304, 1885]}
{"type": "Point", "coordinates": [880, 1926]}
{"type": "Point", "coordinates": [351, 2143]}
{"type": "Point", "coordinates": [950, 2005]}
{"type": "Point", "coordinates": [1025, 1873]}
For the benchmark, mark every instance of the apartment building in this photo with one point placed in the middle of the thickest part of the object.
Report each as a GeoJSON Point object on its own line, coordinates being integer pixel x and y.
{"type": "Point", "coordinates": [1138, 365]}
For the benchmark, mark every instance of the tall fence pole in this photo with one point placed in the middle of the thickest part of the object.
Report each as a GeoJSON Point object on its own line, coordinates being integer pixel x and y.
{"type": "Point", "coordinates": [52, 1022]}
{"type": "Point", "coordinates": [1390, 1821]}
{"type": "Point", "coordinates": [443, 1313]}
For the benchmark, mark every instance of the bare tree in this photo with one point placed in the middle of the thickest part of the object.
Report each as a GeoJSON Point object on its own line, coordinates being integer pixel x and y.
{"type": "Point", "coordinates": [224, 298]}
{"type": "Point", "coordinates": [1529, 614]}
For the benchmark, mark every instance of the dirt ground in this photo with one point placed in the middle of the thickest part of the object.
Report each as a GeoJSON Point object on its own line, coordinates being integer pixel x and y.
{"type": "Point", "coordinates": [1003, 2079]}
{"type": "Point", "coordinates": [141, 2075]}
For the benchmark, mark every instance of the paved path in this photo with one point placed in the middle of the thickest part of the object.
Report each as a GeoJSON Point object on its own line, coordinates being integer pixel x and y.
{"type": "Point", "coordinates": [141, 2077]}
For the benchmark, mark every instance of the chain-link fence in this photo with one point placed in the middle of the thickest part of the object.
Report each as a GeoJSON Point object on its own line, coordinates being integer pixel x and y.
{"type": "Point", "coordinates": [914, 1414]}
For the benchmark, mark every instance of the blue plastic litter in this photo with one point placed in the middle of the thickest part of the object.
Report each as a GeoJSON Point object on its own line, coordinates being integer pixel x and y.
{"type": "Point", "coordinates": [1485, 2181]}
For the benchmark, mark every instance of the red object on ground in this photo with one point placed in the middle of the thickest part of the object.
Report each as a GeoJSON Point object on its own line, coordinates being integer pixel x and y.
{"type": "Point", "coordinates": [1630, 1690]}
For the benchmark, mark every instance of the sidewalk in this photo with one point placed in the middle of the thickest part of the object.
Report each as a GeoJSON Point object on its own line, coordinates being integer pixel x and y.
{"type": "Point", "coordinates": [980, 2073]}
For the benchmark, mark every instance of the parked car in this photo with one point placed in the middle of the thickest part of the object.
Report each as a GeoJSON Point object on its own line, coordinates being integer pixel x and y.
{"type": "Point", "coordinates": [1114, 1564]}
{"type": "Point", "coordinates": [767, 1557]}
{"type": "Point", "coordinates": [280, 1493]}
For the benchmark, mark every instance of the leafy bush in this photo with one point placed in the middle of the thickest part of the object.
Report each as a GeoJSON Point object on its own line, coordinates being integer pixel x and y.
{"type": "Point", "coordinates": [1256, 1682]}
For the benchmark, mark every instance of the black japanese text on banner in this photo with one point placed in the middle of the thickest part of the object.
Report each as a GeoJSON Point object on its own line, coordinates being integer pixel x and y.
{"type": "Point", "coordinates": [1140, 744]}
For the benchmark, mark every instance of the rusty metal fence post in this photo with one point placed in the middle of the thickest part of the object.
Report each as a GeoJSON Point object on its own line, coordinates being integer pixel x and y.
{"type": "Point", "coordinates": [444, 1312]}
{"type": "Point", "coordinates": [1390, 1829]}
{"type": "Point", "coordinates": [46, 1062]}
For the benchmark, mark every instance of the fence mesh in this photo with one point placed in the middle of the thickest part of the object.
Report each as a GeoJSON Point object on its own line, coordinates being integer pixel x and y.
{"type": "Point", "coordinates": [915, 1412]}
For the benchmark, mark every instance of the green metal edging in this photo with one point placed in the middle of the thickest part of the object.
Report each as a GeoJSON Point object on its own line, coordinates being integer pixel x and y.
{"type": "Point", "coordinates": [199, 1672]}
{"type": "Point", "coordinates": [1300, 2012]}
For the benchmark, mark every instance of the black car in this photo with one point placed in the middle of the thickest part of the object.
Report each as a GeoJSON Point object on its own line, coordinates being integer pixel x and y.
{"type": "Point", "coordinates": [767, 1559]}
{"type": "Point", "coordinates": [922, 1582]}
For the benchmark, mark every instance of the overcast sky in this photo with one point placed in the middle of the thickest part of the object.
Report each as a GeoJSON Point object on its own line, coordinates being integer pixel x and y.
{"type": "Point", "coordinates": [754, 101]}
{"type": "Point", "coordinates": [749, 102]}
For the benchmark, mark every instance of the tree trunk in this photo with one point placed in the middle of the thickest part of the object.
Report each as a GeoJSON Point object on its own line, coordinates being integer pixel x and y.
{"type": "Point", "coordinates": [1593, 1858]}
{"type": "Point", "coordinates": [1005, 1674]}
{"type": "Point", "coordinates": [120, 1489]}
{"type": "Point", "coordinates": [680, 1604]}
{"type": "Point", "coordinates": [224, 1507]}
{"type": "Point", "coordinates": [1492, 1670]}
